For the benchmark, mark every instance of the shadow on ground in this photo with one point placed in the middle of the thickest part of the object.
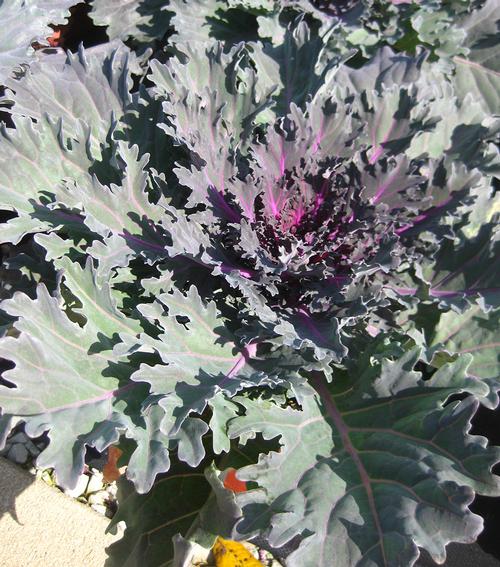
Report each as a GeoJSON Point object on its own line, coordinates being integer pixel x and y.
{"type": "Point", "coordinates": [13, 481]}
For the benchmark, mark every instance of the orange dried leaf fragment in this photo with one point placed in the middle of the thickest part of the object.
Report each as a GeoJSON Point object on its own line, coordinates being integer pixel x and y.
{"type": "Point", "coordinates": [233, 483]}
{"type": "Point", "coordinates": [56, 38]}
{"type": "Point", "coordinates": [110, 471]}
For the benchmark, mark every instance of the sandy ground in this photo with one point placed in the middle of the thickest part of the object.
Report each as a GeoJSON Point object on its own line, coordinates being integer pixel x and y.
{"type": "Point", "coordinates": [42, 527]}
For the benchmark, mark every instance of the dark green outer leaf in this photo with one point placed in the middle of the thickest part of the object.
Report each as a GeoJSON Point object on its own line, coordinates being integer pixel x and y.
{"type": "Point", "coordinates": [370, 468]}
{"type": "Point", "coordinates": [153, 519]}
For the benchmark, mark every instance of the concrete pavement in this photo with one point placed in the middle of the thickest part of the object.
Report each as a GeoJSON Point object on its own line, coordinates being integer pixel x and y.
{"type": "Point", "coordinates": [42, 527]}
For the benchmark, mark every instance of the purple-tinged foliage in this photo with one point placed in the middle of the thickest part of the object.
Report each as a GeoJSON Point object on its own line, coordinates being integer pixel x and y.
{"type": "Point", "coordinates": [257, 256]}
{"type": "Point", "coordinates": [323, 216]}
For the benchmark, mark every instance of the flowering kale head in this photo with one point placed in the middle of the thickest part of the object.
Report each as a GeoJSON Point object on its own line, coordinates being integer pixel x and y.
{"type": "Point", "coordinates": [319, 219]}
{"type": "Point", "coordinates": [210, 266]}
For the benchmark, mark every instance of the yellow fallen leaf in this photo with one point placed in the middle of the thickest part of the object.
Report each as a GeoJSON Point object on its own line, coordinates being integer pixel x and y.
{"type": "Point", "coordinates": [228, 553]}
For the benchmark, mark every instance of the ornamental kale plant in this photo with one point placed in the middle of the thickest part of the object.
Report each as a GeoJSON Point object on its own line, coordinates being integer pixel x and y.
{"type": "Point", "coordinates": [270, 256]}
